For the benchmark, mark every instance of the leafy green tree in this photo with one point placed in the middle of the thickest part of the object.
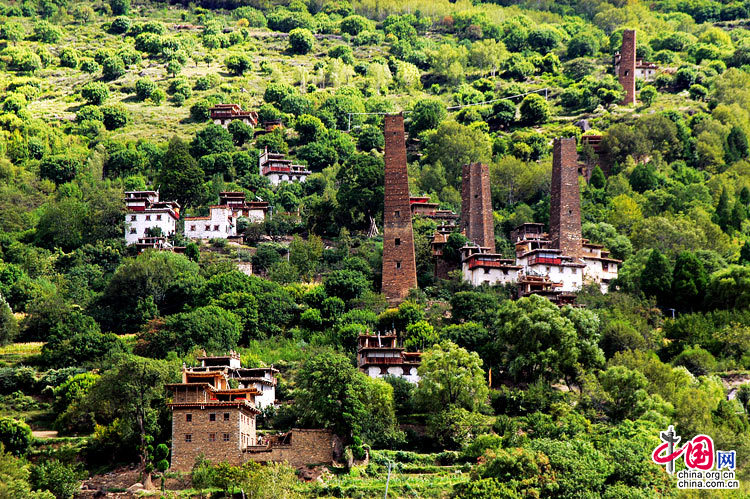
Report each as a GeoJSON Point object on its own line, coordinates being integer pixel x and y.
{"type": "Point", "coordinates": [77, 340]}
{"type": "Point", "coordinates": [451, 376]}
{"type": "Point", "coordinates": [537, 340]}
{"type": "Point", "coordinates": [627, 391]}
{"type": "Point", "coordinates": [644, 178]}
{"type": "Point", "coordinates": [454, 145]}
{"type": "Point", "coordinates": [346, 284]}
{"type": "Point", "coordinates": [8, 323]}
{"type": "Point", "coordinates": [471, 306]}
{"type": "Point", "coordinates": [723, 214]}
{"type": "Point", "coordinates": [180, 177]}
{"type": "Point", "coordinates": [729, 288]}
{"type": "Point", "coordinates": [656, 278]}
{"type": "Point", "coordinates": [420, 336]}
{"type": "Point", "coordinates": [12, 31]}
{"type": "Point", "coordinates": [582, 45]}
{"type": "Point", "coordinates": [354, 25]}
{"type": "Point", "coordinates": [361, 190]}
{"type": "Point", "coordinates": [332, 393]}
{"type": "Point", "coordinates": [427, 115]}
{"type": "Point", "coordinates": [15, 436]}
{"type": "Point", "coordinates": [689, 281]}
{"type": "Point", "coordinates": [241, 132]}
{"type": "Point", "coordinates": [173, 67]}
{"type": "Point", "coordinates": [238, 64]}
{"type": "Point", "coordinates": [120, 25]}
{"type": "Point", "coordinates": [47, 32]}
{"type": "Point", "coordinates": [648, 95]}
{"type": "Point", "coordinates": [60, 168]}
{"type": "Point", "coordinates": [534, 110]}
{"type": "Point", "coordinates": [597, 180]}
{"type": "Point", "coordinates": [305, 255]}
{"type": "Point", "coordinates": [301, 41]}
{"type": "Point", "coordinates": [133, 391]}
{"type": "Point", "coordinates": [736, 146]}
{"type": "Point", "coordinates": [213, 139]}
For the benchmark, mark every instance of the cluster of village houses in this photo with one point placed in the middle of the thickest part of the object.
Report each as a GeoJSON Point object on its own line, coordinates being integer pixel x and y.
{"type": "Point", "coordinates": [214, 407]}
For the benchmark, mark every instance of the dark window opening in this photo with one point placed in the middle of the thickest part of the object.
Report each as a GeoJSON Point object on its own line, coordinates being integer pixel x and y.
{"type": "Point", "coordinates": [398, 242]}
{"type": "Point", "coordinates": [212, 417]}
{"type": "Point", "coordinates": [226, 416]}
{"type": "Point", "coordinates": [188, 417]}
{"type": "Point", "coordinates": [398, 265]}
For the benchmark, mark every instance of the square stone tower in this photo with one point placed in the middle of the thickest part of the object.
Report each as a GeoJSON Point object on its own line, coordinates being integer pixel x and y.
{"type": "Point", "coordinates": [626, 69]}
{"type": "Point", "coordinates": [399, 265]}
{"type": "Point", "coordinates": [476, 206]}
{"type": "Point", "coordinates": [565, 203]}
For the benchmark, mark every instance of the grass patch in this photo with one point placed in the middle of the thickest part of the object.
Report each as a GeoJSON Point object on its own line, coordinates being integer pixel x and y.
{"type": "Point", "coordinates": [14, 354]}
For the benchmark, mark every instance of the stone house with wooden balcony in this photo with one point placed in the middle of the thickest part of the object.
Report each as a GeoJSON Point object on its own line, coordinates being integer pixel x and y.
{"type": "Point", "coordinates": [224, 114]}
{"type": "Point", "coordinates": [277, 169]}
{"type": "Point", "coordinates": [214, 410]}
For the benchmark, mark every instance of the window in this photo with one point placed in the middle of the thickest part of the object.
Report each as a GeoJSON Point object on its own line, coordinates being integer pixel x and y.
{"type": "Point", "coordinates": [212, 417]}
{"type": "Point", "coordinates": [398, 265]}
{"type": "Point", "coordinates": [148, 218]}
{"type": "Point", "coordinates": [605, 266]}
{"type": "Point", "coordinates": [192, 228]}
{"type": "Point", "coordinates": [188, 417]}
{"type": "Point", "coordinates": [225, 437]}
{"type": "Point", "coordinates": [486, 271]}
{"type": "Point", "coordinates": [226, 416]}
{"type": "Point", "coordinates": [216, 228]}
{"type": "Point", "coordinates": [132, 231]}
{"type": "Point", "coordinates": [133, 218]}
{"type": "Point", "coordinates": [208, 227]}
{"type": "Point", "coordinates": [158, 217]}
{"type": "Point", "coordinates": [188, 437]}
{"type": "Point", "coordinates": [398, 241]}
{"type": "Point", "coordinates": [574, 271]}
{"type": "Point", "coordinates": [212, 437]}
{"type": "Point", "coordinates": [397, 213]}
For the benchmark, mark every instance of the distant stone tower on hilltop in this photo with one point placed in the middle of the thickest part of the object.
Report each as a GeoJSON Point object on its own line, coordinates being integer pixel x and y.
{"type": "Point", "coordinates": [476, 206]}
{"type": "Point", "coordinates": [626, 68]}
{"type": "Point", "coordinates": [565, 203]}
{"type": "Point", "coordinates": [399, 265]}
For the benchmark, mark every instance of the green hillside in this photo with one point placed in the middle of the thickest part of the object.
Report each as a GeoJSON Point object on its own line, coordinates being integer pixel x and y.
{"type": "Point", "coordinates": [518, 397]}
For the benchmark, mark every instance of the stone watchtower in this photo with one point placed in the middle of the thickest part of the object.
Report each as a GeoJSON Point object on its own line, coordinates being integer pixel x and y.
{"type": "Point", "coordinates": [399, 265]}
{"type": "Point", "coordinates": [565, 203]}
{"type": "Point", "coordinates": [476, 206]}
{"type": "Point", "coordinates": [626, 69]}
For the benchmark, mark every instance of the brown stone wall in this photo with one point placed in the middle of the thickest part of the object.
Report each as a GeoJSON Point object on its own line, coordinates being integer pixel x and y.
{"type": "Point", "coordinates": [443, 267]}
{"type": "Point", "coordinates": [399, 265]}
{"type": "Point", "coordinates": [626, 74]}
{"type": "Point", "coordinates": [565, 203]}
{"type": "Point", "coordinates": [476, 206]}
{"type": "Point", "coordinates": [184, 453]}
{"type": "Point", "coordinates": [305, 447]}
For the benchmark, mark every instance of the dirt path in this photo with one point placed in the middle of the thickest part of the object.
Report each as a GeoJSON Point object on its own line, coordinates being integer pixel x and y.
{"type": "Point", "coordinates": [44, 434]}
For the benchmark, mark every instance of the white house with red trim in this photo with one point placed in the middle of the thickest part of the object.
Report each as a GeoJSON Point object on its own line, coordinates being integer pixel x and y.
{"type": "Point", "coordinates": [145, 212]}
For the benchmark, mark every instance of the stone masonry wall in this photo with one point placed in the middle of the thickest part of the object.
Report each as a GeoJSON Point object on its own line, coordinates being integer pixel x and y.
{"type": "Point", "coordinates": [306, 447]}
{"type": "Point", "coordinates": [627, 66]}
{"type": "Point", "coordinates": [399, 265]}
{"type": "Point", "coordinates": [476, 206]}
{"type": "Point", "coordinates": [565, 203]}
{"type": "Point", "coordinates": [184, 453]}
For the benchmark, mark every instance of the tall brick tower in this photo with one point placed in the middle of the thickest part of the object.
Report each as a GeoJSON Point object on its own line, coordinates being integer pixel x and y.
{"type": "Point", "coordinates": [565, 203]}
{"type": "Point", "coordinates": [476, 205]}
{"type": "Point", "coordinates": [626, 70]}
{"type": "Point", "coordinates": [399, 265]}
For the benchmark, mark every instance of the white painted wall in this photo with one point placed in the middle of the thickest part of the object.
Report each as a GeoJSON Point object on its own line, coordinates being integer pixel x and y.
{"type": "Point", "coordinates": [411, 375]}
{"type": "Point", "coordinates": [136, 224]}
{"type": "Point", "coordinates": [493, 276]}
{"type": "Point", "coordinates": [217, 226]}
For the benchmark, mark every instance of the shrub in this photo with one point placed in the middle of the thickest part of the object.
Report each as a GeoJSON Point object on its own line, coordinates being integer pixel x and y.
{"type": "Point", "coordinates": [120, 25]}
{"type": "Point", "coordinates": [205, 82]}
{"type": "Point", "coordinates": [301, 41]}
{"type": "Point", "coordinates": [200, 111]}
{"type": "Point", "coordinates": [89, 113]}
{"type": "Point", "coordinates": [15, 435]}
{"type": "Point", "coordinates": [158, 96]}
{"type": "Point", "coordinates": [46, 32]}
{"type": "Point", "coordinates": [238, 64]}
{"type": "Point", "coordinates": [115, 116]}
{"type": "Point", "coordinates": [534, 110]}
{"type": "Point", "coordinates": [69, 58]}
{"type": "Point", "coordinates": [95, 92]}
{"type": "Point", "coordinates": [144, 87]}
{"type": "Point", "coordinates": [119, 7]}
{"type": "Point", "coordinates": [354, 25]}
{"type": "Point", "coordinates": [88, 65]}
